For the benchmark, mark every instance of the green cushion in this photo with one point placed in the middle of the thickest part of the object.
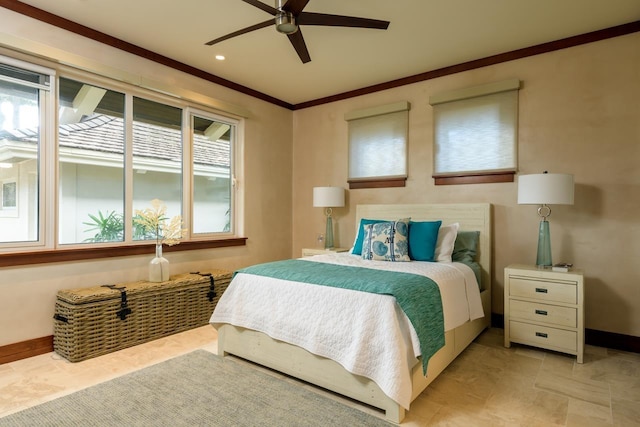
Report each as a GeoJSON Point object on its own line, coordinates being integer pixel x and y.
{"type": "Point", "coordinates": [466, 246]}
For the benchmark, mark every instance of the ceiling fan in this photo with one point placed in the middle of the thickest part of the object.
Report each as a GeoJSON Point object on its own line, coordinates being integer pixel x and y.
{"type": "Point", "coordinates": [289, 15]}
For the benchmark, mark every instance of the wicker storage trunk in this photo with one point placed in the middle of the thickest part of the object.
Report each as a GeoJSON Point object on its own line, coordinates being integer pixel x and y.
{"type": "Point", "coordinates": [89, 322]}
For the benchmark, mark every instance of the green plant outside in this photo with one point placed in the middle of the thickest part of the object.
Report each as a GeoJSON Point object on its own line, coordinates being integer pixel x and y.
{"type": "Point", "coordinates": [109, 227]}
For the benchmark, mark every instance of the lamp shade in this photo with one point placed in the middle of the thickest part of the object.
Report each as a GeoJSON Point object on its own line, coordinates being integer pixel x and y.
{"type": "Point", "coordinates": [545, 189]}
{"type": "Point", "coordinates": [328, 197]}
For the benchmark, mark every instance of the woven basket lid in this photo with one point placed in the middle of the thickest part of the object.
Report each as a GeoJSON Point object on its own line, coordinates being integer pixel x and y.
{"type": "Point", "coordinates": [103, 293]}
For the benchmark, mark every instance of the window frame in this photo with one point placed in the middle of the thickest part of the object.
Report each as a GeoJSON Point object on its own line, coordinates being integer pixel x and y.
{"type": "Point", "coordinates": [47, 248]}
{"type": "Point", "coordinates": [45, 161]}
{"type": "Point", "coordinates": [189, 115]}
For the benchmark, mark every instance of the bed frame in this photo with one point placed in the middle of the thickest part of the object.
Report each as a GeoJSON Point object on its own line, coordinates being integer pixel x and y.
{"type": "Point", "coordinates": [297, 362]}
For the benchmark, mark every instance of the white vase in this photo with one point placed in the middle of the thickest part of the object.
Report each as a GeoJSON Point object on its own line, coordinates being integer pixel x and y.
{"type": "Point", "coordinates": [159, 267]}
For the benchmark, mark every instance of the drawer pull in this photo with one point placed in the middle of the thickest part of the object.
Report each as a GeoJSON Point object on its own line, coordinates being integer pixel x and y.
{"type": "Point", "coordinates": [541, 290]}
{"type": "Point", "coordinates": [541, 334]}
{"type": "Point", "coordinates": [541, 312]}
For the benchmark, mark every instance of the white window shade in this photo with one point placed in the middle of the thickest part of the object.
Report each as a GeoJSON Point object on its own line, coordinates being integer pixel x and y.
{"type": "Point", "coordinates": [476, 134]}
{"type": "Point", "coordinates": [378, 142]}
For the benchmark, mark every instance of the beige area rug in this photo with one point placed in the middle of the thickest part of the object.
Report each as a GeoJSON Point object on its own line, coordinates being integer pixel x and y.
{"type": "Point", "coordinates": [197, 389]}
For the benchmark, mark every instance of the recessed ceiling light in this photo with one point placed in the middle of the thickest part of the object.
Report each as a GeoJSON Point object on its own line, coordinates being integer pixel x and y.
{"type": "Point", "coordinates": [220, 57]}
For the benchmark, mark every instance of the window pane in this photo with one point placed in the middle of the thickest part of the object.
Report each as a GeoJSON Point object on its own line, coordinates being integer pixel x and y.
{"type": "Point", "coordinates": [377, 146]}
{"type": "Point", "coordinates": [28, 77]}
{"type": "Point", "coordinates": [157, 157]}
{"type": "Point", "coordinates": [20, 112]}
{"type": "Point", "coordinates": [9, 199]}
{"type": "Point", "coordinates": [476, 134]}
{"type": "Point", "coordinates": [212, 141]}
{"type": "Point", "coordinates": [90, 156]}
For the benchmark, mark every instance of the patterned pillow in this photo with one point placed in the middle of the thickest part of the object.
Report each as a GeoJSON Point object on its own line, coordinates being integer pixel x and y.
{"type": "Point", "coordinates": [387, 241]}
{"type": "Point", "coordinates": [357, 245]}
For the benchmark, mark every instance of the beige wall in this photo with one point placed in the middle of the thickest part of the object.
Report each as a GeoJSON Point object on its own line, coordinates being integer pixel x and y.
{"type": "Point", "coordinates": [27, 294]}
{"type": "Point", "coordinates": [579, 114]}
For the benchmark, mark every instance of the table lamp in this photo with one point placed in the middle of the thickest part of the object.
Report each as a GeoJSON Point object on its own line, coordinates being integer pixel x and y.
{"type": "Point", "coordinates": [545, 189]}
{"type": "Point", "coordinates": [328, 197]}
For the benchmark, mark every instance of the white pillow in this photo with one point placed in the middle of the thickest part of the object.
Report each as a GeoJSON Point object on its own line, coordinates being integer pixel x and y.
{"type": "Point", "coordinates": [446, 241]}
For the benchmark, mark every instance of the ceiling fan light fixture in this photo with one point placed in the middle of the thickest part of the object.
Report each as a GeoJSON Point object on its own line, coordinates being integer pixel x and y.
{"type": "Point", "coordinates": [286, 23]}
{"type": "Point", "coordinates": [288, 13]}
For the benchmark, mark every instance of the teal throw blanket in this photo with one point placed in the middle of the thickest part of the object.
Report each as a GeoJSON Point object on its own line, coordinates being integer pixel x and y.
{"type": "Point", "coordinates": [418, 296]}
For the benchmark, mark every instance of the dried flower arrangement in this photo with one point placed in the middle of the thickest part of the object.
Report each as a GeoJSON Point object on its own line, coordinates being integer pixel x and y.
{"type": "Point", "coordinates": [155, 223]}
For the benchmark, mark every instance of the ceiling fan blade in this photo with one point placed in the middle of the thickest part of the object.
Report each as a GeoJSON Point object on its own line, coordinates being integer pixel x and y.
{"type": "Point", "coordinates": [311, 18]}
{"type": "Point", "coordinates": [240, 32]}
{"type": "Point", "coordinates": [295, 6]}
{"type": "Point", "coordinates": [300, 46]}
{"type": "Point", "coordinates": [262, 6]}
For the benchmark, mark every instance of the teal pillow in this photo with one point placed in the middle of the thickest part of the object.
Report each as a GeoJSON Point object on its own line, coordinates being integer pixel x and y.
{"type": "Point", "coordinates": [423, 237]}
{"type": "Point", "coordinates": [386, 241]}
{"type": "Point", "coordinates": [357, 246]}
{"type": "Point", "coordinates": [466, 246]}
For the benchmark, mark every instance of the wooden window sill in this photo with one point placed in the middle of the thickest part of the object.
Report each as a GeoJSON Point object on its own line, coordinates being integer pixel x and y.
{"type": "Point", "coordinates": [485, 178]}
{"type": "Point", "coordinates": [77, 254]}
{"type": "Point", "coordinates": [378, 183]}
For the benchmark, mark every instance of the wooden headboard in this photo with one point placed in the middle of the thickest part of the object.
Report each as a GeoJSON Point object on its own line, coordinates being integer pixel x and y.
{"type": "Point", "coordinates": [470, 216]}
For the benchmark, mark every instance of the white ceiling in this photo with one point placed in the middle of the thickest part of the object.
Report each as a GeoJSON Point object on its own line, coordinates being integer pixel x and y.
{"type": "Point", "coordinates": [424, 35]}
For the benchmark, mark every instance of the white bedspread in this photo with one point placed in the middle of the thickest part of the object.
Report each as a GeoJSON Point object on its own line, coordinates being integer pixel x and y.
{"type": "Point", "coordinates": [368, 334]}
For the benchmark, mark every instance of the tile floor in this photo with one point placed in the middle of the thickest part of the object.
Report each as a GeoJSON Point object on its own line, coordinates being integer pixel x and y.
{"type": "Point", "coordinates": [487, 385]}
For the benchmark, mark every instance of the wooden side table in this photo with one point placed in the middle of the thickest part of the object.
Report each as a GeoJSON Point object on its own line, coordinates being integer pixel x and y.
{"type": "Point", "coordinates": [544, 308]}
{"type": "Point", "coordinates": [320, 251]}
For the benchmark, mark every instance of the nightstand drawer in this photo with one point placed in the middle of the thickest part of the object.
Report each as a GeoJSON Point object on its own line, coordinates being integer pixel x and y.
{"type": "Point", "coordinates": [541, 336]}
{"type": "Point", "coordinates": [556, 315]}
{"type": "Point", "coordinates": [543, 291]}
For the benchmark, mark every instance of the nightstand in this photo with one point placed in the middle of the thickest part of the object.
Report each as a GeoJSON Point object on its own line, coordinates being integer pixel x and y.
{"type": "Point", "coordinates": [320, 251]}
{"type": "Point", "coordinates": [544, 308]}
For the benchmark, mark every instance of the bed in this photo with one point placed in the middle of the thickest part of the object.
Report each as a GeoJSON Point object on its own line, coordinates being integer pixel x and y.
{"type": "Point", "coordinates": [257, 344]}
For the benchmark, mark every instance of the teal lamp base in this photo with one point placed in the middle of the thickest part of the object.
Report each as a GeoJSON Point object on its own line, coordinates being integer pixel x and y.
{"type": "Point", "coordinates": [544, 245]}
{"type": "Point", "coordinates": [328, 241]}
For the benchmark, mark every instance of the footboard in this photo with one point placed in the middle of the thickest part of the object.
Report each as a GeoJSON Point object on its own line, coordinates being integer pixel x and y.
{"type": "Point", "coordinates": [299, 363]}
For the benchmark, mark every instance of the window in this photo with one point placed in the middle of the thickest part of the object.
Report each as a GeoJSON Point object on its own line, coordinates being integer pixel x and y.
{"type": "Point", "coordinates": [157, 157]}
{"type": "Point", "coordinates": [475, 133]}
{"type": "Point", "coordinates": [24, 102]}
{"type": "Point", "coordinates": [378, 146]}
{"type": "Point", "coordinates": [212, 180]}
{"type": "Point", "coordinates": [91, 142]}
{"type": "Point", "coordinates": [9, 200]}
{"type": "Point", "coordinates": [115, 150]}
